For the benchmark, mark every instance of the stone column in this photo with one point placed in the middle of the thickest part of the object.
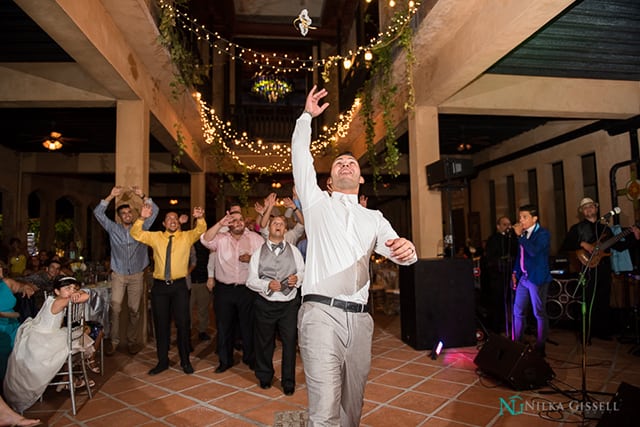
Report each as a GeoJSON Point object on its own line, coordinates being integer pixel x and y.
{"type": "Point", "coordinates": [426, 205]}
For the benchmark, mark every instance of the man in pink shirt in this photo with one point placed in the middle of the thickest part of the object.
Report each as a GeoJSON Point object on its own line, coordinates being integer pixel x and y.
{"type": "Point", "coordinates": [232, 299]}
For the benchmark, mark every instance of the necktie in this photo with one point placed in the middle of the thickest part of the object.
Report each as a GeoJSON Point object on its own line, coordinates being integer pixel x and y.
{"type": "Point", "coordinates": [167, 260]}
{"type": "Point", "coordinates": [349, 206]}
{"type": "Point", "coordinates": [277, 246]}
{"type": "Point", "coordinates": [524, 270]}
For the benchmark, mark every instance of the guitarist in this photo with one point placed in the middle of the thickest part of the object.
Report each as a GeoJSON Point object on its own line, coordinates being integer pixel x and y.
{"type": "Point", "coordinates": [585, 236]}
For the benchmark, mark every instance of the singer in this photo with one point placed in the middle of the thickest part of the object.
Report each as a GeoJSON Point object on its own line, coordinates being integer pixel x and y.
{"type": "Point", "coordinates": [586, 235]}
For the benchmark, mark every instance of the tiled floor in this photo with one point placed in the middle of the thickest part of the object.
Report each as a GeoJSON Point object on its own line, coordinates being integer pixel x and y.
{"type": "Point", "coordinates": [406, 388]}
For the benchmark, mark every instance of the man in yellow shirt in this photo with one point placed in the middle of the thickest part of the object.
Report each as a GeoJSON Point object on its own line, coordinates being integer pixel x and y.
{"type": "Point", "coordinates": [169, 294]}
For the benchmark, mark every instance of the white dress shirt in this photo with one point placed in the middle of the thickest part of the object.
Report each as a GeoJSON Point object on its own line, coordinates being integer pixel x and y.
{"type": "Point", "coordinates": [340, 237]}
{"type": "Point", "coordinates": [255, 283]}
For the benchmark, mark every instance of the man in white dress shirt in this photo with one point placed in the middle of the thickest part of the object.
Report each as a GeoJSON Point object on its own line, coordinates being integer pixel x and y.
{"type": "Point", "coordinates": [275, 274]}
{"type": "Point", "coordinates": [335, 328]}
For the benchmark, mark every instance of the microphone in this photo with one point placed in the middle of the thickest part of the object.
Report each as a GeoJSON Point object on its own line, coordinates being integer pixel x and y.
{"type": "Point", "coordinates": [615, 211]}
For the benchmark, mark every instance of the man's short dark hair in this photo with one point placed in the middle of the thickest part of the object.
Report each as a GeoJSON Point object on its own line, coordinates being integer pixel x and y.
{"type": "Point", "coordinates": [345, 153]}
{"type": "Point", "coordinates": [123, 206]}
{"type": "Point", "coordinates": [532, 209]}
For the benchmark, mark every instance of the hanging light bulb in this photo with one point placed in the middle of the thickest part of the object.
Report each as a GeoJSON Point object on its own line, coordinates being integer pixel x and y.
{"type": "Point", "coordinates": [368, 56]}
{"type": "Point", "coordinates": [392, 3]}
{"type": "Point", "coordinates": [346, 63]}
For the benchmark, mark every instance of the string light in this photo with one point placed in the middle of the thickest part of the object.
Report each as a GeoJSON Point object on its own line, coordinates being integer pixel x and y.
{"type": "Point", "coordinates": [273, 62]}
{"type": "Point", "coordinates": [217, 132]}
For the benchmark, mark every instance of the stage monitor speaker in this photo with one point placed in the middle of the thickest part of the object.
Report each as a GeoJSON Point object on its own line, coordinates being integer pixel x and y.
{"type": "Point", "coordinates": [624, 408]}
{"type": "Point", "coordinates": [447, 169]}
{"type": "Point", "coordinates": [437, 303]}
{"type": "Point", "coordinates": [513, 363]}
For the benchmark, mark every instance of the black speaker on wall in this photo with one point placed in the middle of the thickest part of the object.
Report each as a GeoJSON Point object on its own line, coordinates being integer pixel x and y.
{"type": "Point", "coordinates": [437, 303]}
{"type": "Point", "coordinates": [513, 363]}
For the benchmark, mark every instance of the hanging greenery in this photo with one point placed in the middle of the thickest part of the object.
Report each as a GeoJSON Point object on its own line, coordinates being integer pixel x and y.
{"type": "Point", "coordinates": [381, 78]}
{"type": "Point", "coordinates": [190, 71]}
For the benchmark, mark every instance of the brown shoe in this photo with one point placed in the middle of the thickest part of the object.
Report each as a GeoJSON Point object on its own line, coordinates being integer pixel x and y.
{"type": "Point", "coordinates": [135, 348]}
{"type": "Point", "coordinates": [109, 348]}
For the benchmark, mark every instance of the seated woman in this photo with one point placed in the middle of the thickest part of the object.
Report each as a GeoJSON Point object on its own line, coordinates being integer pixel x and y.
{"type": "Point", "coordinates": [40, 348]}
{"type": "Point", "coordinates": [9, 318]}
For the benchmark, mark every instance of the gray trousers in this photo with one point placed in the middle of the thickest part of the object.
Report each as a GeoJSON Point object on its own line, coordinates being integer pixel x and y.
{"type": "Point", "coordinates": [133, 285]}
{"type": "Point", "coordinates": [335, 347]}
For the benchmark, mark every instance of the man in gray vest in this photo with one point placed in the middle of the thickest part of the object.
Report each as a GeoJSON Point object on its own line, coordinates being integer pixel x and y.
{"type": "Point", "coordinates": [275, 273]}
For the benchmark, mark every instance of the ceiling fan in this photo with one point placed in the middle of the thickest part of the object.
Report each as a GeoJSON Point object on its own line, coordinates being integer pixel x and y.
{"type": "Point", "coordinates": [54, 141]}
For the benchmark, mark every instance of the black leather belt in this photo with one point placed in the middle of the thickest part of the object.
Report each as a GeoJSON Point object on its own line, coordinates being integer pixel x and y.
{"type": "Point", "coordinates": [169, 282]}
{"type": "Point", "coordinates": [229, 284]}
{"type": "Point", "coordinates": [352, 307]}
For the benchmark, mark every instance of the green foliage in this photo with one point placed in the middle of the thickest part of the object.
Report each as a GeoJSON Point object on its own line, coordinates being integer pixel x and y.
{"type": "Point", "coordinates": [382, 75]}
{"type": "Point", "coordinates": [175, 164]}
{"type": "Point", "coordinates": [190, 72]}
{"type": "Point", "coordinates": [63, 232]}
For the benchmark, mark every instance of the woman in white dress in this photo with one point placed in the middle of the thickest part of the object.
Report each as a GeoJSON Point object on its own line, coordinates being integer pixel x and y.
{"type": "Point", "coordinates": [40, 348]}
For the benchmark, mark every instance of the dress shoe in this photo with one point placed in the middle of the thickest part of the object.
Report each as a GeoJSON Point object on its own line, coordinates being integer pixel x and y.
{"type": "Point", "coordinates": [135, 348]}
{"type": "Point", "coordinates": [288, 389]}
{"type": "Point", "coordinates": [220, 369]}
{"type": "Point", "coordinates": [109, 348]}
{"type": "Point", "coordinates": [187, 368]}
{"type": "Point", "coordinates": [265, 385]}
{"type": "Point", "coordinates": [157, 369]}
{"type": "Point", "coordinates": [203, 336]}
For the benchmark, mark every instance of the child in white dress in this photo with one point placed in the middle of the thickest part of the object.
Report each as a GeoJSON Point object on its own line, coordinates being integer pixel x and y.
{"type": "Point", "coordinates": [40, 348]}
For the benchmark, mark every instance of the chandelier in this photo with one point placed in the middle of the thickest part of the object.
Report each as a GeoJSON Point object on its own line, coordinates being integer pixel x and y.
{"type": "Point", "coordinates": [271, 88]}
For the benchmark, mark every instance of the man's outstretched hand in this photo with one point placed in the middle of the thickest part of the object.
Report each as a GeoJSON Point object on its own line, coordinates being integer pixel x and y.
{"type": "Point", "coordinates": [312, 105]}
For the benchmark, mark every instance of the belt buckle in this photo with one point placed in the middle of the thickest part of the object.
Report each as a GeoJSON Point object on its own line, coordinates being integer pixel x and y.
{"type": "Point", "coordinates": [168, 282]}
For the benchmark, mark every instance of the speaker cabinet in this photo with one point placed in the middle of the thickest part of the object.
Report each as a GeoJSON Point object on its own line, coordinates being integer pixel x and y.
{"type": "Point", "coordinates": [563, 300]}
{"type": "Point", "coordinates": [624, 408]}
{"type": "Point", "coordinates": [513, 363]}
{"type": "Point", "coordinates": [437, 303]}
{"type": "Point", "coordinates": [447, 169]}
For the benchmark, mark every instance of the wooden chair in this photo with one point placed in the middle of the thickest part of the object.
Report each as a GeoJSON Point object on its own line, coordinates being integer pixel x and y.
{"type": "Point", "coordinates": [75, 331]}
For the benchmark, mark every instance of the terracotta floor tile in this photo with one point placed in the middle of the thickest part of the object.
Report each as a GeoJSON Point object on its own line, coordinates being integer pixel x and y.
{"type": "Point", "coordinates": [195, 417]}
{"type": "Point", "coordinates": [457, 376]}
{"type": "Point", "coordinates": [182, 382]}
{"type": "Point", "coordinates": [140, 395]}
{"type": "Point", "coordinates": [98, 406]}
{"type": "Point", "coordinates": [126, 418]}
{"type": "Point", "coordinates": [265, 414]}
{"type": "Point", "coordinates": [380, 392]}
{"type": "Point", "coordinates": [234, 422]}
{"type": "Point", "coordinates": [166, 405]}
{"type": "Point", "coordinates": [384, 363]}
{"type": "Point", "coordinates": [417, 369]}
{"type": "Point", "coordinates": [405, 387]}
{"type": "Point", "coordinates": [209, 391]}
{"type": "Point", "coordinates": [418, 402]}
{"type": "Point", "coordinates": [440, 388]}
{"type": "Point", "coordinates": [404, 355]}
{"type": "Point", "coordinates": [239, 402]}
{"type": "Point", "coordinates": [398, 380]}
{"type": "Point", "coordinates": [392, 417]}
{"type": "Point", "coordinates": [468, 413]}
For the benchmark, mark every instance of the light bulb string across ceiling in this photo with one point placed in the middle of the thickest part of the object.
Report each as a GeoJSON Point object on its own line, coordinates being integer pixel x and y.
{"type": "Point", "coordinates": [278, 63]}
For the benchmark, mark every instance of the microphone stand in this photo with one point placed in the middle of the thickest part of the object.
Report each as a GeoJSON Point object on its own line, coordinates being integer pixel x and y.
{"type": "Point", "coordinates": [584, 393]}
{"type": "Point", "coordinates": [505, 261]}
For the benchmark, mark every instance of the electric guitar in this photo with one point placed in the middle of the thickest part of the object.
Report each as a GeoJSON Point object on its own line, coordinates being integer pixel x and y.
{"type": "Point", "coordinates": [591, 261]}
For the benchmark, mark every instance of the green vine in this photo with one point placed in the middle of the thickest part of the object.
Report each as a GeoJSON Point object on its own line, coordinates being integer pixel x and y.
{"type": "Point", "coordinates": [190, 71]}
{"type": "Point", "coordinates": [383, 53]}
{"type": "Point", "coordinates": [177, 158]}
{"type": "Point", "coordinates": [243, 186]}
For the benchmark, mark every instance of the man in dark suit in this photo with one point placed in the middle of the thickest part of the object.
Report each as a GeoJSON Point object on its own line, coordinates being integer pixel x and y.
{"type": "Point", "coordinates": [531, 275]}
